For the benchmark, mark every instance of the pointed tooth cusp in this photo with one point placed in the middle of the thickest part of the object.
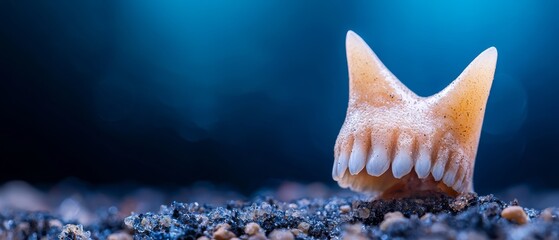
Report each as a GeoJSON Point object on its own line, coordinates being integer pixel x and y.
{"type": "Point", "coordinates": [358, 157]}
{"type": "Point", "coordinates": [423, 163]}
{"type": "Point", "coordinates": [342, 164]}
{"type": "Point", "coordinates": [378, 161]}
{"type": "Point", "coordinates": [403, 162]}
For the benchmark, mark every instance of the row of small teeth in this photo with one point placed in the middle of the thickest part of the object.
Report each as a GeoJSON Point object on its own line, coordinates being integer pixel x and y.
{"type": "Point", "coordinates": [377, 162]}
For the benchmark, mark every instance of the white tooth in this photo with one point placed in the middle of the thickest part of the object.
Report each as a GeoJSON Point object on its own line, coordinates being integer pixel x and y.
{"type": "Point", "coordinates": [458, 184]}
{"type": "Point", "coordinates": [378, 162]}
{"type": "Point", "coordinates": [402, 164]}
{"type": "Point", "coordinates": [357, 158]}
{"type": "Point", "coordinates": [334, 170]}
{"type": "Point", "coordinates": [423, 164]}
{"type": "Point", "coordinates": [450, 174]}
{"type": "Point", "coordinates": [342, 164]}
{"type": "Point", "coordinates": [438, 169]}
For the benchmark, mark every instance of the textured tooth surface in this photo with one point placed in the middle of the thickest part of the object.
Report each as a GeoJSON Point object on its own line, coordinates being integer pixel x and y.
{"type": "Point", "coordinates": [438, 169]}
{"type": "Point", "coordinates": [378, 162]}
{"type": "Point", "coordinates": [423, 164]}
{"type": "Point", "coordinates": [358, 158]}
{"type": "Point", "coordinates": [342, 164]}
{"type": "Point", "coordinates": [458, 184]}
{"type": "Point", "coordinates": [450, 174]}
{"type": "Point", "coordinates": [402, 164]}
{"type": "Point", "coordinates": [335, 170]}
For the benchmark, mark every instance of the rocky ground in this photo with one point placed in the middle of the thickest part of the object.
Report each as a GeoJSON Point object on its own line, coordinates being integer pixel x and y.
{"type": "Point", "coordinates": [340, 216]}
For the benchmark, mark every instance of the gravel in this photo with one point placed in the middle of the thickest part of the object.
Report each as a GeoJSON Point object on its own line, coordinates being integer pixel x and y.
{"type": "Point", "coordinates": [337, 216]}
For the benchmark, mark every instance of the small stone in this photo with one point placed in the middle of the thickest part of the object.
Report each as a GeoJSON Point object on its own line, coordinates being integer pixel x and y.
{"type": "Point", "coordinates": [296, 232]}
{"type": "Point", "coordinates": [119, 236]}
{"type": "Point", "coordinates": [353, 232]}
{"type": "Point", "coordinates": [258, 236]}
{"type": "Point", "coordinates": [165, 221]}
{"type": "Point", "coordinates": [354, 228]}
{"type": "Point", "coordinates": [74, 232]}
{"type": "Point", "coordinates": [392, 218]}
{"type": "Point", "coordinates": [364, 213]}
{"type": "Point", "coordinates": [439, 228]}
{"type": "Point", "coordinates": [55, 223]}
{"type": "Point", "coordinates": [252, 228]}
{"type": "Point", "coordinates": [515, 214]}
{"type": "Point", "coordinates": [304, 227]}
{"type": "Point", "coordinates": [427, 217]}
{"type": "Point", "coordinates": [345, 209]}
{"type": "Point", "coordinates": [223, 233]}
{"type": "Point", "coordinates": [547, 215]}
{"type": "Point", "coordinates": [471, 235]}
{"type": "Point", "coordinates": [281, 234]}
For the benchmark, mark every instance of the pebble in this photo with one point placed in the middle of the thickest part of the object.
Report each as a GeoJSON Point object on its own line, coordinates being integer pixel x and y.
{"type": "Point", "coordinates": [119, 236]}
{"type": "Point", "coordinates": [258, 236]}
{"type": "Point", "coordinates": [74, 232]}
{"type": "Point", "coordinates": [354, 232]}
{"type": "Point", "coordinates": [364, 213]}
{"type": "Point", "coordinates": [345, 209]}
{"type": "Point", "coordinates": [304, 227]}
{"type": "Point", "coordinates": [281, 234]}
{"type": "Point", "coordinates": [223, 233]}
{"type": "Point", "coordinates": [515, 214]}
{"type": "Point", "coordinates": [392, 218]}
{"type": "Point", "coordinates": [547, 215]}
{"type": "Point", "coordinates": [252, 228]}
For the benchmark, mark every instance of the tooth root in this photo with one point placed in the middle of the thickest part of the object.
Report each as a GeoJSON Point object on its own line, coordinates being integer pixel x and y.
{"type": "Point", "coordinates": [342, 164]}
{"type": "Point", "coordinates": [378, 162]}
{"type": "Point", "coordinates": [440, 163]}
{"type": "Point", "coordinates": [423, 164]}
{"type": "Point", "coordinates": [450, 174]}
{"type": "Point", "coordinates": [357, 158]}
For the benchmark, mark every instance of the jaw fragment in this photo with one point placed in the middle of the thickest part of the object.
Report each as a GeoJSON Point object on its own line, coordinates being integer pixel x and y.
{"type": "Point", "coordinates": [395, 141]}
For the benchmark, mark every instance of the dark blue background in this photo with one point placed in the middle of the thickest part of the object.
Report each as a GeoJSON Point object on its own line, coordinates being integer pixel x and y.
{"type": "Point", "coordinates": [241, 92]}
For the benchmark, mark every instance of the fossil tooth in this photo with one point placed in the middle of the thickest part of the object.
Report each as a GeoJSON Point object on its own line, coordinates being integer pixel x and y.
{"type": "Point", "coordinates": [378, 162]}
{"type": "Point", "coordinates": [423, 163]}
{"type": "Point", "coordinates": [436, 136]}
{"type": "Point", "coordinates": [358, 158]}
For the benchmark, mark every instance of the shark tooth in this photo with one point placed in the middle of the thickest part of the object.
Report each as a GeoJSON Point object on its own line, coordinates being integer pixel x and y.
{"type": "Point", "coordinates": [416, 144]}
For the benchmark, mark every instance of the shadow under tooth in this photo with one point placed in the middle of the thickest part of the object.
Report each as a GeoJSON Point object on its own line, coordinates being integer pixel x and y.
{"type": "Point", "coordinates": [423, 163]}
{"type": "Point", "coordinates": [357, 158]}
{"type": "Point", "coordinates": [378, 162]}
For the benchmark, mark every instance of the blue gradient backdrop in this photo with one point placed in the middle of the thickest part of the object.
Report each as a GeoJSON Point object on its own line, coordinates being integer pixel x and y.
{"type": "Point", "coordinates": [245, 92]}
